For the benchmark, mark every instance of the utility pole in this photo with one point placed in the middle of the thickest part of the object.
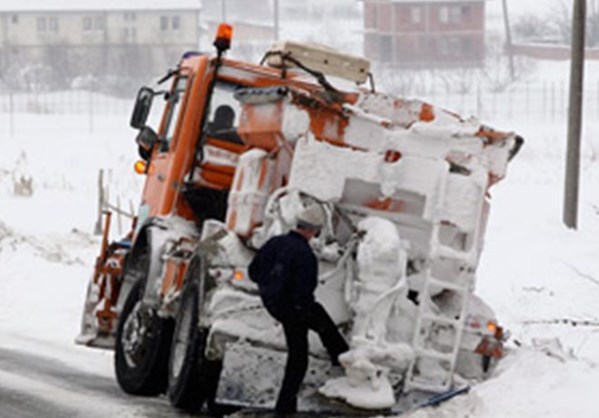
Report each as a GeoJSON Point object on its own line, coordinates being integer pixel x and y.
{"type": "Point", "coordinates": [508, 38]}
{"type": "Point", "coordinates": [276, 20]}
{"type": "Point", "coordinates": [575, 115]}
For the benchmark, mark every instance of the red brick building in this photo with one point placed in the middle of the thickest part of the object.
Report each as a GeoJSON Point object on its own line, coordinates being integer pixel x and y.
{"type": "Point", "coordinates": [409, 33]}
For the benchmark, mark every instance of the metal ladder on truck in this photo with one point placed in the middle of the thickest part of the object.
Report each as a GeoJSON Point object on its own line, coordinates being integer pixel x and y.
{"type": "Point", "coordinates": [434, 364]}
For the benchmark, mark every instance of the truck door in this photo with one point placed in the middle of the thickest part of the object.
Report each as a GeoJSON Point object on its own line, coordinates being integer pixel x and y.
{"type": "Point", "coordinates": [218, 156]}
{"type": "Point", "coordinates": [158, 196]}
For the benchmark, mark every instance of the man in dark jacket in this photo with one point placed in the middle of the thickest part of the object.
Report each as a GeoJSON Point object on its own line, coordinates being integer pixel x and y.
{"type": "Point", "coordinates": [286, 271]}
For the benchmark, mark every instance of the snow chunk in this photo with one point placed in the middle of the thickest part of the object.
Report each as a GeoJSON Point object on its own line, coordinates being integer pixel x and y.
{"type": "Point", "coordinates": [367, 385]}
{"type": "Point", "coordinates": [296, 122]}
{"type": "Point", "coordinates": [314, 161]}
{"type": "Point", "coordinates": [463, 198]}
{"type": "Point", "coordinates": [381, 264]}
{"type": "Point", "coordinates": [553, 348]}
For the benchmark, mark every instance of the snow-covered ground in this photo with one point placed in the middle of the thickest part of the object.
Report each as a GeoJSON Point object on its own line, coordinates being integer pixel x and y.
{"type": "Point", "coordinates": [540, 277]}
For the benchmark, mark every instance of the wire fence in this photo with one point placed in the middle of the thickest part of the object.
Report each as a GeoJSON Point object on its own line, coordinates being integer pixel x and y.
{"type": "Point", "coordinates": [82, 107]}
{"type": "Point", "coordinates": [64, 102]}
{"type": "Point", "coordinates": [545, 102]}
{"type": "Point", "coordinates": [541, 101]}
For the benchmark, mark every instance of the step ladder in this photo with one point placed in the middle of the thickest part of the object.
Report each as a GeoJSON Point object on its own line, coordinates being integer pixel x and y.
{"type": "Point", "coordinates": [437, 337]}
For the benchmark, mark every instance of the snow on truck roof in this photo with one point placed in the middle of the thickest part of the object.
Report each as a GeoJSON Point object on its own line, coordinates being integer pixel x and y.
{"type": "Point", "coordinates": [94, 5]}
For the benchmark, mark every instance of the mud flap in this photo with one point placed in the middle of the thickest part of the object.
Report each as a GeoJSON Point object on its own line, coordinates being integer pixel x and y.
{"type": "Point", "coordinates": [252, 376]}
{"type": "Point", "coordinates": [106, 342]}
{"type": "Point", "coordinates": [89, 334]}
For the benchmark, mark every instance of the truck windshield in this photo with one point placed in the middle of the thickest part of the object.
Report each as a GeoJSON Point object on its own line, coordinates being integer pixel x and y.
{"type": "Point", "coordinates": [224, 113]}
{"type": "Point", "coordinates": [175, 100]}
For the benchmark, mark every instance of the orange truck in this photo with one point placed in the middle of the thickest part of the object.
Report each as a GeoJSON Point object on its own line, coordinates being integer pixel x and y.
{"type": "Point", "coordinates": [240, 149]}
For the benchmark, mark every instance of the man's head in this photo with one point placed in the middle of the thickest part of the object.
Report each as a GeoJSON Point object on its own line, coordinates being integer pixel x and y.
{"type": "Point", "coordinates": [310, 221]}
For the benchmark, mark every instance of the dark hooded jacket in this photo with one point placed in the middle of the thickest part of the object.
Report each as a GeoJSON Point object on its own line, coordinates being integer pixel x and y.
{"type": "Point", "coordinates": [286, 272]}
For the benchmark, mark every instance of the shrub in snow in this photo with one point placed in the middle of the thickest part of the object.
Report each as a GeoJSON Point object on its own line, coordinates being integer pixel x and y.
{"type": "Point", "coordinates": [4, 231]}
{"type": "Point", "coordinates": [21, 179]}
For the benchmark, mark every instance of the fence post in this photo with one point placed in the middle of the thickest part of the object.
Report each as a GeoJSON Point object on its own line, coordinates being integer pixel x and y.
{"type": "Point", "coordinates": [91, 111]}
{"type": "Point", "coordinates": [479, 102]}
{"type": "Point", "coordinates": [553, 101]}
{"type": "Point", "coordinates": [544, 100]}
{"type": "Point", "coordinates": [526, 98]}
{"type": "Point", "coordinates": [119, 215]}
{"type": "Point", "coordinates": [98, 228]}
{"type": "Point", "coordinates": [562, 101]}
{"type": "Point", "coordinates": [11, 113]}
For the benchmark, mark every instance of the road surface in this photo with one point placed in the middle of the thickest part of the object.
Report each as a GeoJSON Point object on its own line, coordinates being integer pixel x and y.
{"type": "Point", "coordinates": [33, 386]}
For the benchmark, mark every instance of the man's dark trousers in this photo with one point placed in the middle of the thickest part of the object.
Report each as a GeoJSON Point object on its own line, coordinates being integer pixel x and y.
{"type": "Point", "coordinates": [296, 335]}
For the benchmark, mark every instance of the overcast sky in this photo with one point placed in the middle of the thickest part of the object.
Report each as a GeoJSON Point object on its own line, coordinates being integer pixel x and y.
{"type": "Point", "coordinates": [516, 6]}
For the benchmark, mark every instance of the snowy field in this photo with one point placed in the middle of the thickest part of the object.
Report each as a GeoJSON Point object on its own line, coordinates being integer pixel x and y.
{"type": "Point", "coordinates": [541, 278]}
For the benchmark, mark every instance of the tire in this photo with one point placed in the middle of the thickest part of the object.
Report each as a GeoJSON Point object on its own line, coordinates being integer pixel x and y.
{"type": "Point", "coordinates": [192, 379]}
{"type": "Point", "coordinates": [142, 347]}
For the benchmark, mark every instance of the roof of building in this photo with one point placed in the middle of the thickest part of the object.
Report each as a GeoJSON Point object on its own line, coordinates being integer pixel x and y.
{"type": "Point", "coordinates": [95, 5]}
{"type": "Point", "coordinates": [437, 1]}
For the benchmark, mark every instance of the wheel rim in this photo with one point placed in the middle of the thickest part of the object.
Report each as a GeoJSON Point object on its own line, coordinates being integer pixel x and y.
{"type": "Point", "coordinates": [135, 333]}
{"type": "Point", "coordinates": [182, 338]}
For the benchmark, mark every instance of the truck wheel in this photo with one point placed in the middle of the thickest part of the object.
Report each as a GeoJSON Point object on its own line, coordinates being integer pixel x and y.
{"type": "Point", "coordinates": [192, 379]}
{"type": "Point", "coordinates": [141, 349]}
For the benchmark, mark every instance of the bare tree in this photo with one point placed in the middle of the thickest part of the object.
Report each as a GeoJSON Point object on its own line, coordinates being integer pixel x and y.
{"type": "Point", "coordinates": [560, 22]}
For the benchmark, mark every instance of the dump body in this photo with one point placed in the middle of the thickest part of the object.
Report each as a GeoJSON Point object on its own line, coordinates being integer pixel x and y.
{"type": "Point", "coordinates": [240, 150]}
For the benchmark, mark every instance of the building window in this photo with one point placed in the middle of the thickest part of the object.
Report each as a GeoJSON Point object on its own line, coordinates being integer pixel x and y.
{"type": "Point", "coordinates": [443, 47]}
{"type": "Point", "coordinates": [129, 34]}
{"type": "Point", "coordinates": [99, 23]}
{"type": "Point", "coordinates": [385, 50]}
{"type": "Point", "coordinates": [129, 16]}
{"type": "Point", "coordinates": [415, 15]}
{"type": "Point", "coordinates": [53, 24]}
{"type": "Point", "coordinates": [163, 22]}
{"type": "Point", "coordinates": [452, 46]}
{"type": "Point", "coordinates": [87, 23]}
{"type": "Point", "coordinates": [370, 15]}
{"type": "Point", "coordinates": [444, 14]}
{"type": "Point", "coordinates": [466, 12]}
{"type": "Point", "coordinates": [14, 19]}
{"type": "Point", "coordinates": [41, 24]}
{"type": "Point", "coordinates": [384, 23]}
{"type": "Point", "coordinates": [455, 14]}
{"type": "Point", "coordinates": [467, 46]}
{"type": "Point", "coordinates": [175, 22]}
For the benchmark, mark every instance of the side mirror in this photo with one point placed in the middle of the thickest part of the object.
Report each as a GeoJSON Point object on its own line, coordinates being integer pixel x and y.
{"type": "Point", "coordinates": [143, 104]}
{"type": "Point", "coordinates": [146, 138]}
